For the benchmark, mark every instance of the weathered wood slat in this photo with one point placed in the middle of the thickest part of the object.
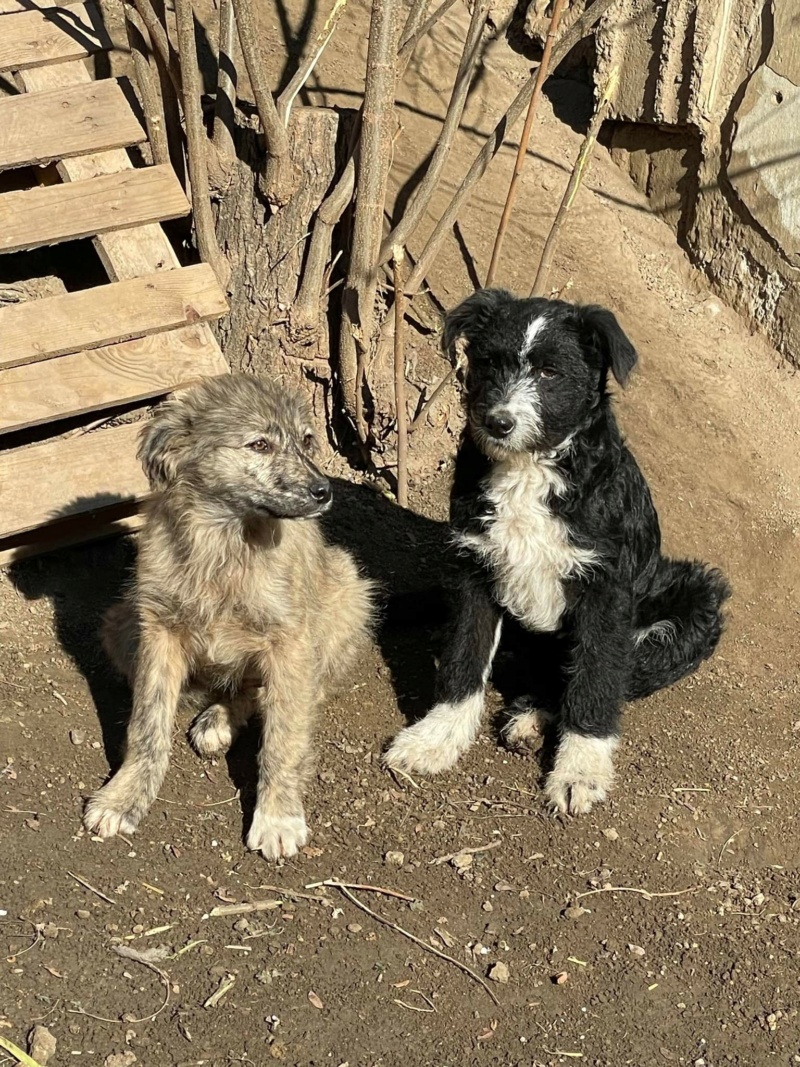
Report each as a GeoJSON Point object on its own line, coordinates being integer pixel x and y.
{"type": "Point", "coordinates": [42, 484]}
{"type": "Point", "coordinates": [89, 318]}
{"type": "Point", "coordinates": [48, 215]}
{"type": "Point", "coordinates": [40, 127]}
{"type": "Point", "coordinates": [33, 38]}
{"type": "Point", "coordinates": [106, 377]}
{"type": "Point", "coordinates": [92, 526]}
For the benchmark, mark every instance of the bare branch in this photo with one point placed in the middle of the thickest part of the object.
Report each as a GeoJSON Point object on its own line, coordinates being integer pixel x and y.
{"type": "Point", "coordinates": [398, 256]}
{"type": "Point", "coordinates": [161, 42]}
{"type": "Point", "coordinates": [280, 179]}
{"type": "Point", "coordinates": [574, 183]}
{"type": "Point", "coordinates": [522, 151]}
{"type": "Point", "coordinates": [452, 120]}
{"type": "Point", "coordinates": [149, 87]}
{"type": "Point", "coordinates": [410, 42]}
{"type": "Point", "coordinates": [494, 143]}
{"type": "Point", "coordinates": [197, 143]}
{"type": "Point", "coordinates": [303, 72]}
{"type": "Point", "coordinates": [414, 20]}
{"type": "Point", "coordinates": [358, 302]}
{"type": "Point", "coordinates": [225, 101]}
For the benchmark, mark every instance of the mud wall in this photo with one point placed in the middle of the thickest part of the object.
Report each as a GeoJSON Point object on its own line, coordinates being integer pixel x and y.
{"type": "Point", "coordinates": [707, 121]}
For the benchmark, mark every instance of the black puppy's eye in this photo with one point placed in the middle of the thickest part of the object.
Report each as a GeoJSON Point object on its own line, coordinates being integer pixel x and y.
{"type": "Point", "coordinates": [546, 372]}
{"type": "Point", "coordinates": [261, 444]}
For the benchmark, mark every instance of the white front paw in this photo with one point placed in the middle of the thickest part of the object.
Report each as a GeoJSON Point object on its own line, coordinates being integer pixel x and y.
{"type": "Point", "coordinates": [106, 816]}
{"type": "Point", "coordinates": [525, 728]}
{"type": "Point", "coordinates": [277, 836]}
{"type": "Point", "coordinates": [582, 774]}
{"type": "Point", "coordinates": [435, 743]}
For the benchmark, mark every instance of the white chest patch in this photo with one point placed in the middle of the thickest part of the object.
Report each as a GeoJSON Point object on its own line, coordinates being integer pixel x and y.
{"type": "Point", "coordinates": [525, 544]}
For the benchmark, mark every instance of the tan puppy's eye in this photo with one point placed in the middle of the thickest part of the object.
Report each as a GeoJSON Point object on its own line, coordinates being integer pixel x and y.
{"type": "Point", "coordinates": [261, 445]}
{"type": "Point", "coordinates": [308, 441]}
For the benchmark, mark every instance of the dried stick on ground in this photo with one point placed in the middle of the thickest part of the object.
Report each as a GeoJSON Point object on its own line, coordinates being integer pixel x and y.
{"type": "Point", "coordinates": [303, 72]}
{"type": "Point", "coordinates": [422, 194]}
{"type": "Point", "coordinates": [398, 257]}
{"type": "Point", "coordinates": [575, 179]}
{"type": "Point", "coordinates": [280, 179]}
{"type": "Point", "coordinates": [149, 87]}
{"type": "Point", "coordinates": [225, 101]}
{"type": "Point", "coordinates": [358, 300]}
{"type": "Point", "coordinates": [197, 144]}
{"type": "Point", "coordinates": [522, 151]}
{"type": "Point", "coordinates": [418, 941]}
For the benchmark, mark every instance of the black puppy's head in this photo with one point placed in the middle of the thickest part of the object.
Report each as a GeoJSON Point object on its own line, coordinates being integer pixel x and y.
{"type": "Point", "coordinates": [536, 369]}
{"type": "Point", "coordinates": [242, 446]}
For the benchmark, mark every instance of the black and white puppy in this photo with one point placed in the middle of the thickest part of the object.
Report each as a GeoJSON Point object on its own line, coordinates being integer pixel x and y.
{"type": "Point", "coordinates": [555, 526]}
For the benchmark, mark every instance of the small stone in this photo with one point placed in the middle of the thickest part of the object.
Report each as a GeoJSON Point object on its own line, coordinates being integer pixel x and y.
{"type": "Point", "coordinates": [636, 950]}
{"type": "Point", "coordinates": [355, 928]}
{"type": "Point", "coordinates": [77, 737]}
{"type": "Point", "coordinates": [575, 911]}
{"type": "Point", "coordinates": [95, 744]}
{"type": "Point", "coordinates": [394, 859]}
{"type": "Point", "coordinates": [610, 834]}
{"type": "Point", "coordinates": [462, 861]}
{"type": "Point", "coordinates": [759, 899]}
{"type": "Point", "coordinates": [82, 913]}
{"type": "Point", "coordinates": [41, 1044]}
{"type": "Point", "coordinates": [120, 1059]}
{"type": "Point", "coordinates": [487, 906]}
{"type": "Point", "coordinates": [498, 972]}
{"type": "Point", "coordinates": [561, 978]}
{"type": "Point", "coordinates": [504, 887]}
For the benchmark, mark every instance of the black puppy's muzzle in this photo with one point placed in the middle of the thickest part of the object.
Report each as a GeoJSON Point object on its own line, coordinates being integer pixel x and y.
{"type": "Point", "coordinates": [499, 424]}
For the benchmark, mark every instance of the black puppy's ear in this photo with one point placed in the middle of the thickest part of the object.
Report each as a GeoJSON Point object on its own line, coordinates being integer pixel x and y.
{"type": "Point", "coordinates": [160, 443]}
{"type": "Point", "coordinates": [606, 336]}
{"type": "Point", "coordinates": [474, 315]}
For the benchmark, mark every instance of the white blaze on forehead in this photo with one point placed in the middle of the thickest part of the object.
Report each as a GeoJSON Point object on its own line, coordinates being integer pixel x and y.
{"type": "Point", "coordinates": [532, 331]}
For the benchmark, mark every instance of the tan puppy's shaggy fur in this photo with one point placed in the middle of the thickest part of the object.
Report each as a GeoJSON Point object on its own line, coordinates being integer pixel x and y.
{"type": "Point", "coordinates": [236, 591]}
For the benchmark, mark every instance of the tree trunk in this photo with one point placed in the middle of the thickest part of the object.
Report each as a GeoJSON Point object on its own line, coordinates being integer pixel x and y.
{"type": "Point", "coordinates": [266, 249]}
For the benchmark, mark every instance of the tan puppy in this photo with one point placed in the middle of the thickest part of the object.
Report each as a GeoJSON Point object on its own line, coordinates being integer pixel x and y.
{"type": "Point", "coordinates": [235, 591]}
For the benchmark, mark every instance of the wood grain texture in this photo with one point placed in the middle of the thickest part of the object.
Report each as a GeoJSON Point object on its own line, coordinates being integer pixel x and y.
{"type": "Point", "coordinates": [89, 318]}
{"type": "Point", "coordinates": [90, 527]}
{"type": "Point", "coordinates": [33, 38]}
{"type": "Point", "coordinates": [106, 377]}
{"type": "Point", "coordinates": [39, 127]}
{"type": "Point", "coordinates": [48, 215]}
{"type": "Point", "coordinates": [66, 477]}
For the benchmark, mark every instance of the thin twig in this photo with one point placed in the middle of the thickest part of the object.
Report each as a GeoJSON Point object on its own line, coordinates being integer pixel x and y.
{"type": "Point", "coordinates": [411, 41]}
{"type": "Point", "coordinates": [333, 883]}
{"type": "Point", "coordinates": [197, 143]}
{"type": "Point", "coordinates": [161, 42]}
{"type": "Point", "coordinates": [303, 72]}
{"type": "Point", "coordinates": [91, 888]}
{"type": "Point", "coordinates": [280, 179]}
{"type": "Point", "coordinates": [632, 889]}
{"type": "Point", "coordinates": [724, 847]}
{"type": "Point", "coordinates": [225, 99]}
{"type": "Point", "coordinates": [574, 183]}
{"type": "Point", "coordinates": [414, 20]}
{"type": "Point", "coordinates": [292, 893]}
{"type": "Point", "coordinates": [358, 301]}
{"type": "Point", "coordinates": [522, 150]}
{"type": "Point", "coordinates": [244, 909]}
{"type": "Point", "coordinates": [398, 257]}
{"type": "Point", "coordinates": [421, 197]}
{"type": "Point", "coordinates": [426, 408]}
{"type": "Point", "coordinates": [17, 1053]}
{"type": "Point", "coordinates": [417, 941]}
{"type": "Point", "coordinates": [494, 143]}
{"type": "Point", "coordinates": [149, 87]}
{"type": "Point", "coordinates": [411, 1007]}
{"type": "Point", "coordinates": [137, 957]}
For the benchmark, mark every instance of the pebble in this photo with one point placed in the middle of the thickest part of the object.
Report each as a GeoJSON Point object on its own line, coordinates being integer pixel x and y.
{"type": "Point", "coordinates": [77, 737]}
{"type": "Point", "coordinates": [394, 859]}
{"type": "Point", "coordinates": [487, 906]}
{"type": "Point", "coordinates": [610, 834]}
{"type": "Point", "coordinates": [41, 1044]}
{"type": "Point", "coordinates": [82, 913]}
{"type": "Point", "coordinates": [575, 911]}
{"type": "Point", "coordinates": [120, 1059]}
{"type": "Point", "coordinates": [355, 928]}
{"type": "Point", "coordinates": [498, 972]}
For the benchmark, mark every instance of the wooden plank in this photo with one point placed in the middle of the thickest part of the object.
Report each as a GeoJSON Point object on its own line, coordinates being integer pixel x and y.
{"type": "Point", "coordinates": [66, 477]}
{"type": "Point", "coordinates": [47, 215]}
{"type": "Point", "coordinates": [89, 318]}
{"type": "Point", "coordinates": [38, 127]}
{"type": "Point", "coordinates": [104, 377]}
{"type": "Point", "coordinates": [89, 527]}
{"type": "Point", "coordinates": [16, 7]}
{"type": "Point", "coordinates": [36, 37]}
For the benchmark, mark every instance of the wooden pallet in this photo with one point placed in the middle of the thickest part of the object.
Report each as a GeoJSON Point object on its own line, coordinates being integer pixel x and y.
{"type": "Point", "coordinates": [96, 350]}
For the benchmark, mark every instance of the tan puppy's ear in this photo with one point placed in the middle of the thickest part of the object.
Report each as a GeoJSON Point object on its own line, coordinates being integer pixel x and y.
{"type": "Point", "coordinates": [161, 441]}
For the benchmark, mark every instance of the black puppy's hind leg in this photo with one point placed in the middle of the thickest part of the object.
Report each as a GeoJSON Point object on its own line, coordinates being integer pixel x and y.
{"type": "Point", "coordinates": [437, 741]}
{"type": "Point", "coordinates": [678, 624]}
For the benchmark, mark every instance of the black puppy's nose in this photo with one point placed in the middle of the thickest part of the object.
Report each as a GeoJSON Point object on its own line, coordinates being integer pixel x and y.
{"type": "Point", "coordinates": [320, 490]}
{"type": "Point", "coordinates": [500, 424]}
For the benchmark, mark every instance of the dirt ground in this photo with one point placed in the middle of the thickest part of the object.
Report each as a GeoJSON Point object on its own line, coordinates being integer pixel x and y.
{"type": "Point", "coordinates": [660, 929]}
